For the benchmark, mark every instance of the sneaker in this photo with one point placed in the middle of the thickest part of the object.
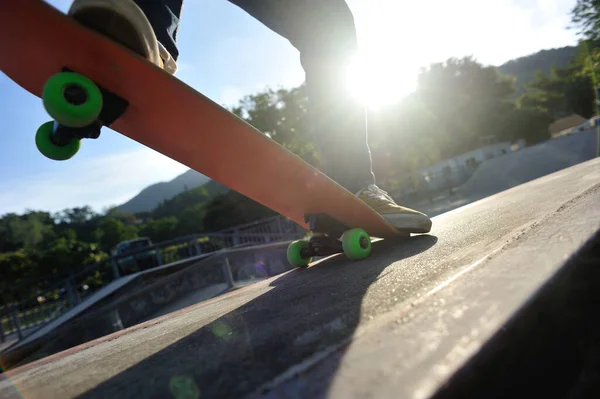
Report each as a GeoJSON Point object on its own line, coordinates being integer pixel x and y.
{"type": "Point", "coordinates": [404, 219]}
{"type": "Point", "coordinates": [124, 22]}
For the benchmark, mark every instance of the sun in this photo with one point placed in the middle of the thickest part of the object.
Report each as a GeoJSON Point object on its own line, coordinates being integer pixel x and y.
{"type": "Point", "coordinates": [386, 67]}
{"type": "Point", "coordinates": [376, 81]}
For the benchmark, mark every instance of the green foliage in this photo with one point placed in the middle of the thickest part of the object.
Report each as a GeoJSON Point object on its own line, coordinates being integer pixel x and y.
{"type": "Point", "coordinates": [463, 95]}
{"type": "Point", "coordinates": [191, 220]}
{"type": "Point", "coordinates": [585, 17]}
{"type": "Point", "coordinates": [528, 123]}
{"type": "Point", "coordinates": [49, 261]}
{"type": "Point", "coordinates": [112, 231]}
{"type": "Point", "coordinates": [67, 254]}
{"type": "Point", "coordinates": [232, 209]}
{"type": "Point", "coordinates": [17, 266]}
{"type": "Point", "coordinates": [160, 230]}
{"type": "Point", "coordinates": [566, 90]}
{"type": "Point", "coordinates": [524, 68]}
{"type": "Point", "coordinates": [75, 216]}
{"type": "Point", "coordinates": [459, 105]}
{"type": "Point", "coordinates": [188, 198]}
{"type": "Point", "coordinates": [282, 116]}
{"type": "Point", "coordinates": [26, 230]}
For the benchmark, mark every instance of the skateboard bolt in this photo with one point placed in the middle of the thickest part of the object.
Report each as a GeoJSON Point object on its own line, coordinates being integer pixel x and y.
{"type": "Point", "coordinates": [75, 94]}
{"type": "Point", "coordinates": [364, 242]}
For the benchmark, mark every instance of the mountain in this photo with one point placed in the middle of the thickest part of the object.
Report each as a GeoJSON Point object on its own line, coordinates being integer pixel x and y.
{"type": "Point", "coordinates": [188, 199]}
{"type": "Point", "coordinates": [150, 197]}
{"type": "Point", "coordinates": [524, 68]}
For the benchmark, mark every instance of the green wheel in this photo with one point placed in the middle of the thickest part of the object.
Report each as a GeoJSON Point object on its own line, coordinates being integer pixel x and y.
{"type": "Point", "coordinates": [356, 244]}
{"type": "Point", "coordinates": [44, 143]}
{"type": "Point", "coordinates": [72, 99]}
{"type": "Point", "coordinates": [294, 254]}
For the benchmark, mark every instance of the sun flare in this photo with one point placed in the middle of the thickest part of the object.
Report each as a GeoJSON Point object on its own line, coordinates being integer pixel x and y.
{"type": "Point", "coordinates": [377, 81]}
{"type": "Point", "coordinates": [385, 69]}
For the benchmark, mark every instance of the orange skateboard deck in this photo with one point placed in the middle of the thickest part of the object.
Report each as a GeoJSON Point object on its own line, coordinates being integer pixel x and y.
{"type": "Point", "coordinates": [37, 42]}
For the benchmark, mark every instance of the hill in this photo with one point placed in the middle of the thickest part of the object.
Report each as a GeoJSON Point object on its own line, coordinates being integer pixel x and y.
{"type": "Point", "coordinates": [191, 198]}
{"type": "Point", "coordinates": [524, 68]}
{"type": "Point", "coordinates": [150, 197]}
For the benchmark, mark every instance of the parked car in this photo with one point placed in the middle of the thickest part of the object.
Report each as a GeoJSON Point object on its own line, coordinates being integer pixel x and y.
{"type": "Point", "coordinates": [137, 261]}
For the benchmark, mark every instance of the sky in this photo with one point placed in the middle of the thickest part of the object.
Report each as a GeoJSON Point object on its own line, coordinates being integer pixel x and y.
{"type": "Point", "coordinates": [226, 54]}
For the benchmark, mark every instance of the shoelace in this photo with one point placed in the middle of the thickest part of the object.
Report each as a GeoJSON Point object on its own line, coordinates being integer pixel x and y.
{"type": "Point", "coordinates": [168, 61]}
{"type": "Point", "coordinates": [377, 193]}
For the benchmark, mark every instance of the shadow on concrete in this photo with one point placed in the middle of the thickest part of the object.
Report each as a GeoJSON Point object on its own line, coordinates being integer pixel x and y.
{"type": "Point", "coordinates": [305, 312]}
{"type": "Point", "coordinates": [137, 298]}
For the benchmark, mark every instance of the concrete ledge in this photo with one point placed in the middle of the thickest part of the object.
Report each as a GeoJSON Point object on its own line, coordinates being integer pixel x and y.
{"type": "Point", "coordinates": [144, 295]}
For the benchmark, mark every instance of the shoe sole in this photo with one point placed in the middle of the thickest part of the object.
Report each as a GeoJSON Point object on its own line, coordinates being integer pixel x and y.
{"type": "Point", "coordinates": [408, 223]}
{"type": "Point", "coordinates": [122, 21]}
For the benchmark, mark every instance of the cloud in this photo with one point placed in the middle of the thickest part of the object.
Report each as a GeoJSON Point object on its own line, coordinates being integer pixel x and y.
{"type": "Point", "coordinates": [98, 182]}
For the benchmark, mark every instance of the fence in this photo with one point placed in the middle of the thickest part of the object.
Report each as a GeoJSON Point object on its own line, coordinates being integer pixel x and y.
{"type": "Point", "coordinates": [29, 314]}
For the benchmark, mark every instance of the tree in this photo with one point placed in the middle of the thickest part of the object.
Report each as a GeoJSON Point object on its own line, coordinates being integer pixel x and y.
{"type": "Point", "coordinates": [177, 204]}
{"type": "Point", "coordinates": [233, 209]}
{"type": "Point", "coordinates": [565, 90]}
{"type": "Point", "coordinates": [66, 254]}
{"type": "Point", "coordinates": [462, 94]}
{"type": "Point", "coordinates": [404, 138]}
{"type": "Point", "coordinates": [160, 230]}
{"type": "Point", "coordinates": [16, 266]}
{"type": "Point", "coordinates": [528, 123]}
{"type": "Point", "coordinates": [83, 220]}
{"type": "Point", "coordinates": [29, 229]}
{"type": "Point", "coordinates": [191, 220]}
{"type": "Point", "coordinates": [77, 215]}
{"type": "Point", "coordinates": [585, 16]}
{"type": "Point", "coordinates": [283, 116]}
{"type": "Point", "coordinates": [112, 231]}
{"type": "Point", "coordinates": [455, 105]}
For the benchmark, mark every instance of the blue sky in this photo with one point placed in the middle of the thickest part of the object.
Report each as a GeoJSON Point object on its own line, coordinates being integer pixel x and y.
{"type": "Point", "coordinates": [226, 54]}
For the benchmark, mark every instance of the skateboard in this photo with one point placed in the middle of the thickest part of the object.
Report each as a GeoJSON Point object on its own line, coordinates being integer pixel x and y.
{"type": "Point", "coordinates": [88, 82]}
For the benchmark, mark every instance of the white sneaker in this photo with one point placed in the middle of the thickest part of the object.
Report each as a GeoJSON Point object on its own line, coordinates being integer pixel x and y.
{"type": "Point", "coordinates": [124, 22]}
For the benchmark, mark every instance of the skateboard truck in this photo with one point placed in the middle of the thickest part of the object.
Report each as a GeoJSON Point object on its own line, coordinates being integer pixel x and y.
{"type": "Point", "coordinates": [79, 108]}
{"type": "Point", "coordinates": [329, 236]}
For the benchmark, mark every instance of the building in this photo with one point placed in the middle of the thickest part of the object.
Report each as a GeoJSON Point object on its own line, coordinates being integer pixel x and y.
{"type": "Point", "coordinates": [454, 171]}
{"type": "Point", "coordinates": [565, 125]}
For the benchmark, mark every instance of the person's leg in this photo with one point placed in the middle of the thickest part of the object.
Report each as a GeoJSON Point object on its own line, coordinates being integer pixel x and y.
{"type": "Point", "coordinates": [325, 35]}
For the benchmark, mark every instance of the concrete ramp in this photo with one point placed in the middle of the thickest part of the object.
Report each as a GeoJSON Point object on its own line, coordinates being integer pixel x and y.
{"type": "Point", "coordinates": [510, 170]}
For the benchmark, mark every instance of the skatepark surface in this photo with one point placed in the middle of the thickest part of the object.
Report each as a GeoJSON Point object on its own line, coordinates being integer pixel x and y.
{"type": "Point", "coordinates": [397, 324]}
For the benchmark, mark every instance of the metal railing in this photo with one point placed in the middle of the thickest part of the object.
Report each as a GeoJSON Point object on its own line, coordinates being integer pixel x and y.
{"type": "Point", "coordinates": [21, 318]}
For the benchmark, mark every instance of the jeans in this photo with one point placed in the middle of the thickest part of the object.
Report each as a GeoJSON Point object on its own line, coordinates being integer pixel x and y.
{"type": "Point", "coordinates": [323, 32]}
